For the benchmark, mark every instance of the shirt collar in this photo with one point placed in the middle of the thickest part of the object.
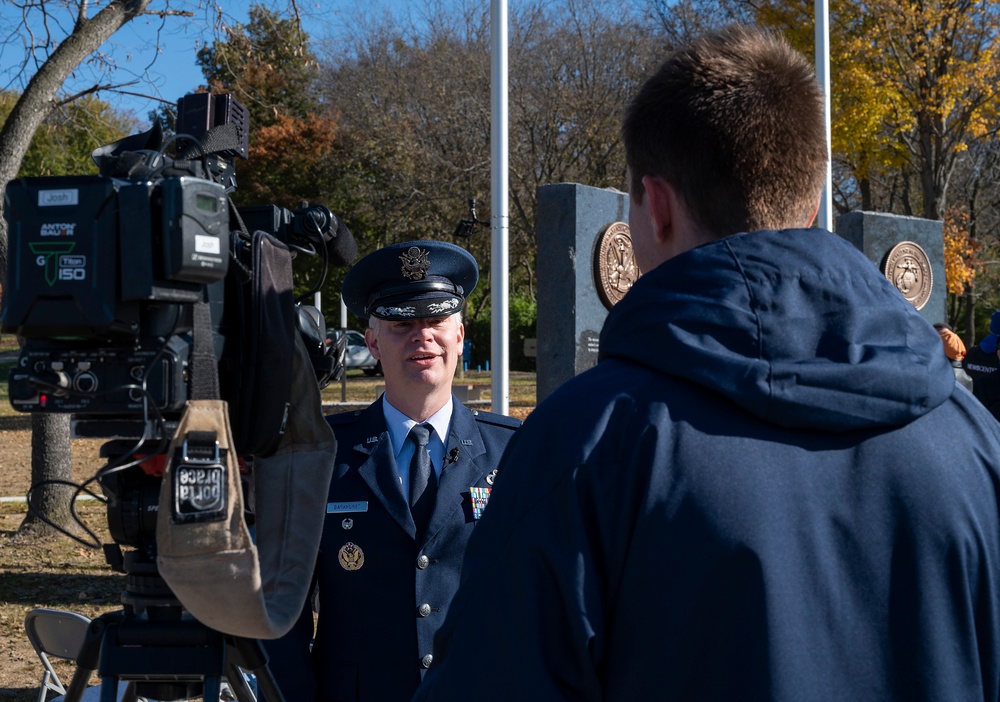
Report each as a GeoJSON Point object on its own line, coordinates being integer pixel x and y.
{"type": "Point", "coordinates": [399, 424]}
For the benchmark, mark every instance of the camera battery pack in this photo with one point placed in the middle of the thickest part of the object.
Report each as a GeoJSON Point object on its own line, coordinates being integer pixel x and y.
{"type": "Point", "coordinates": [195, 230]}
{"type": "Point", "coordinates": [63, 259]}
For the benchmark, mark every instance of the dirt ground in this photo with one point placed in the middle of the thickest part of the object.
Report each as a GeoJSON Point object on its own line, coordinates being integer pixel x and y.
{"type": "Point", "coordinates": [54, 572]}
{"type": "Point", "coordinates": [15, 456]}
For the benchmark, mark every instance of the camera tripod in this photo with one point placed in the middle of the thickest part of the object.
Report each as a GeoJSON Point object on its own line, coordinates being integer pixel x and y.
{"type": "Point", "coordinates": [152, 644]}
{"type": "Point", "coordinates": [162, 653]}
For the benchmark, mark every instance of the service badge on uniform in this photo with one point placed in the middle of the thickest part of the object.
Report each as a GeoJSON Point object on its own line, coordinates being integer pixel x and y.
{"type": "Point", "coordinates": [480, 496]}
{"type": "Point", "coordinates": [351, 557]}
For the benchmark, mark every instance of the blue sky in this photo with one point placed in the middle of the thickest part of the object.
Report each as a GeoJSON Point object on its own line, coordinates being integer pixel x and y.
{"type": "Point", "coordinates": [172, 72]}
{"type": "Point", "coordinates": [175, 72]}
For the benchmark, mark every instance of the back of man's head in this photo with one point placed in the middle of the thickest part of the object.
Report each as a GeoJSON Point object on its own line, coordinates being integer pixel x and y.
{"type": "Point", "coordinates": [734, 121]}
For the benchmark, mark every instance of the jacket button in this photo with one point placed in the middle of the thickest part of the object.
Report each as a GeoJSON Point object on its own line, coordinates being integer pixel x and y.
{"type": "Point", "coordinates": [424, 609]}
{"type": "Point", "coordinates": [427, 660]}
{"type": "Point", "coordinates": [423, 561]}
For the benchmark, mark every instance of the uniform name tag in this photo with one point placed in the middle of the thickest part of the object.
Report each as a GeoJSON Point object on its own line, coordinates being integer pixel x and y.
{"type": "Point", "coordinates": [340, 507]}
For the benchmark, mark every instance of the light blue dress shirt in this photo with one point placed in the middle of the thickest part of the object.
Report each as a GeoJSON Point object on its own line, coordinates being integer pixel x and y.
{"type": "Point", "coordinates": [399, 426]}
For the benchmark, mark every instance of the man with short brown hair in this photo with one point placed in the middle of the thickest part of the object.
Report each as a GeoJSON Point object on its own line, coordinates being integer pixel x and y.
{"type": "Point", "coordinates": [769, 487]}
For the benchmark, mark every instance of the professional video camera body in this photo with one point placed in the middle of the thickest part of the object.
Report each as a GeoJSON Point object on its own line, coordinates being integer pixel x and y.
{"type": "Point", "coordinates": [104, 270]}
{"type": "Point", "coordinates": [117, 283]}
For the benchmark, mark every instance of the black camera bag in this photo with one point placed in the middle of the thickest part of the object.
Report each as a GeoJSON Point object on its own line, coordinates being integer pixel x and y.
{"type": "Point", "coordinates": [202, 544]}
{"type": "Point", "coordinates": [256, 368]}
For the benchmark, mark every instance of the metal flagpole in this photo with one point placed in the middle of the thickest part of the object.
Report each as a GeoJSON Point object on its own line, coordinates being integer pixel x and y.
{"type": "Point", "coordinates": [822, 11]}
{"type": "Point", "coordinates": [343, 330]}
{"type": "Point", "coordinates": [499, 209]}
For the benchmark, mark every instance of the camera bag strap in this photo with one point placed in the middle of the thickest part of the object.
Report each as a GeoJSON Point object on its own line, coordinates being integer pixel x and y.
{"type": "Point", "coordinates": [204, 369]}
{"type": "Point", "coordinates": [204, 549]}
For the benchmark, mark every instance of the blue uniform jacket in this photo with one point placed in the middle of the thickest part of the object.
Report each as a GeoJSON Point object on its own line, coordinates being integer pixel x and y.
{"type": "Point", "coordinates": [769, 488]}
{"type": "Point", "coordinates": [382, 594]}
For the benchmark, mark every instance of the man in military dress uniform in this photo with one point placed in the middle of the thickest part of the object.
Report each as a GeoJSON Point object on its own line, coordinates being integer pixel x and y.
{"type": "Point", "coordinates": [414, 473]}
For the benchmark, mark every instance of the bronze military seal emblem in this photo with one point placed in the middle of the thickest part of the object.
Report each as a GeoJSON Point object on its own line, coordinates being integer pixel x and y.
{"type": "Point", "coordinates": [909, 269]}
{"type": "Point", "coordinates": [615, 269]}
{"type": "Point", "coordinates": [351, 556]}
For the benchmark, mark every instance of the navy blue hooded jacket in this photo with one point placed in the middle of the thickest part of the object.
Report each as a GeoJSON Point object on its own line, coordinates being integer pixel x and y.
{"type": "Point", "coordinates": [769, 488]}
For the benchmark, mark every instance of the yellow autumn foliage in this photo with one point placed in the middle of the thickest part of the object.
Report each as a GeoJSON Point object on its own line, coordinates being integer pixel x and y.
{"type": "Point", "coordinates": [912, 83]}
{"type": "Point", "coordinates": [960, 253]}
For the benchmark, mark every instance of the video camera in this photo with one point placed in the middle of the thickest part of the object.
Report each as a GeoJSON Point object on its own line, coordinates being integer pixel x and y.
{"type": "Point", "coordinates": [104, 271]}
{"type": "Point", "coordinates": [121, 285]}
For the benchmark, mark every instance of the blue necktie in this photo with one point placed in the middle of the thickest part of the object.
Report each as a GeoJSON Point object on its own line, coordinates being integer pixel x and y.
{"type": "Point", "coordinates": [423, 482]}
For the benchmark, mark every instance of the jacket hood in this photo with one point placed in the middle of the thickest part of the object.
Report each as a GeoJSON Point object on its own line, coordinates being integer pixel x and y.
{"type": "Point", "coordinates": [798, 327]}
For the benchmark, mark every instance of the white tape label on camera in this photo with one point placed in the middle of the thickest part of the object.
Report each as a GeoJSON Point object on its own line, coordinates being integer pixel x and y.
{"type": "Point", "coordinates": [207, 244]}
{"type": "Point", "coordinates": [58, 198]}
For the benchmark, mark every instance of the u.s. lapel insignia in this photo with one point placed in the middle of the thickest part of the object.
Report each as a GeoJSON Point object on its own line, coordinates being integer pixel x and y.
{"type": "Point", "coordinates": [351, 557]}
{"type": "Point", "coordinates": [480, 496]}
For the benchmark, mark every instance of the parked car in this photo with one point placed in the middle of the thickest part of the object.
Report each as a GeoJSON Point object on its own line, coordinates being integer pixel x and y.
{"type": "Point", "coordinates": [357, 354]}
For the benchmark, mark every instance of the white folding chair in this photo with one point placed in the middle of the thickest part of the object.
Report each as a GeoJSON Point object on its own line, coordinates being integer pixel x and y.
{"type": "Point", "coordinates": [56, 633]}
{"type": "Point", "coordinates": [53, 632]}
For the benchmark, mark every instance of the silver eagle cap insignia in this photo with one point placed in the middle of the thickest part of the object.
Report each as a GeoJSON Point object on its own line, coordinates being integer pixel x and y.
{"type": "Point", "coordinates": [416, 263]}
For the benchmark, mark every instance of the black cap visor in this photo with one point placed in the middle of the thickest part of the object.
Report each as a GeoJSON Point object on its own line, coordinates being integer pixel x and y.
{"type": "Point", "coordinates": [395, 305]}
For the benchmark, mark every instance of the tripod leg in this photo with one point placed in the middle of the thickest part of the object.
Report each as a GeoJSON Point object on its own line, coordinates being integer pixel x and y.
{"type": "Point", "coordinates": [109, 689]}
{"type": "Point", "coordinates": [251, 656]}
{"type": "Point", "coordinates": [238, 682]}
{"type": "Point", "coordinates": [213, 686]}
{"type": "Point", "coordinates": [88, 658]}
{"type": "Point", "coordinates": [81, 676]}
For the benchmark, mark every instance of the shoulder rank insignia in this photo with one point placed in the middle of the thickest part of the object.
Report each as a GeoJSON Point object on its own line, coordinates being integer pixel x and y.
{"type": "Point", "coordinates": [480, 496]}
{"type": "Point", "coordinates": [351, 557]}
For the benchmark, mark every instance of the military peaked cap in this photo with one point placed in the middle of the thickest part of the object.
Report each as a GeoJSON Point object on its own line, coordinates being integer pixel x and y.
{"type": "Point", "coordinates": [411, 280]}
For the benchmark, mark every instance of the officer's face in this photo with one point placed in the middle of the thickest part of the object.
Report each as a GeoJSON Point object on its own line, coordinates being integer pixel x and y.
{"type": "Point", "coordinates": [417, 355]}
